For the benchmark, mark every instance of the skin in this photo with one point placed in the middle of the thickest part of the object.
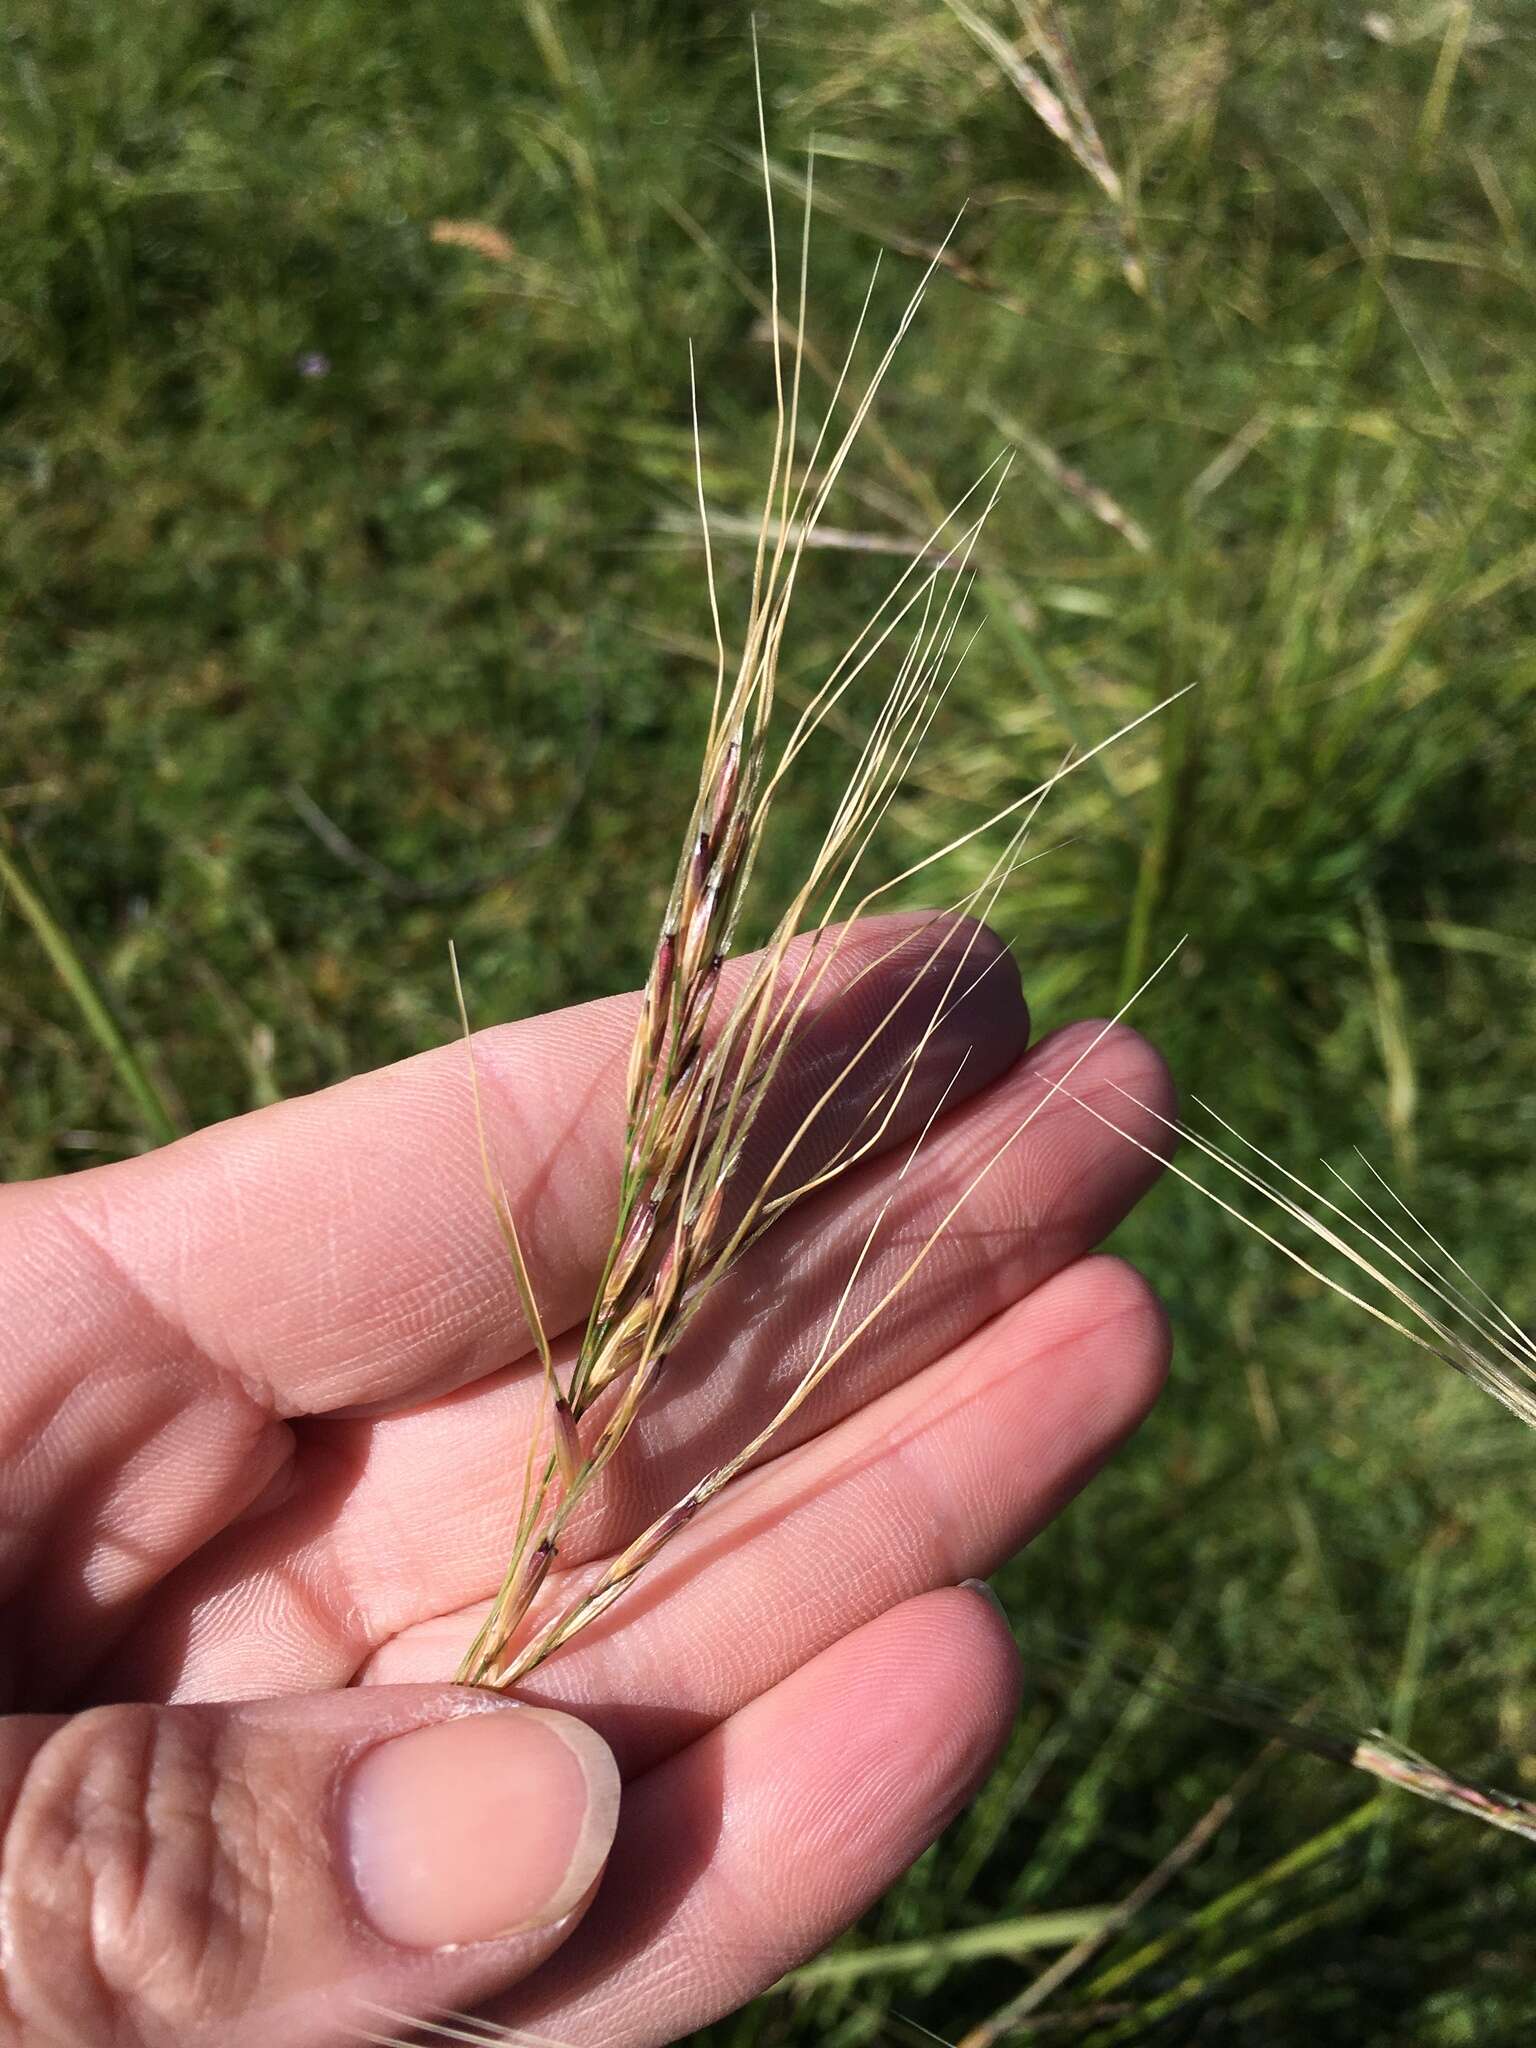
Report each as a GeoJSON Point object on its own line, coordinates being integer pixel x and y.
{"type": "Point", "coordinates": [260, 1463]}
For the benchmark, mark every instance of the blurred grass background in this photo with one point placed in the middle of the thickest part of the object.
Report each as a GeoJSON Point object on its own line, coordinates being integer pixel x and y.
{"type": "Point", "coordinates": [353, 604]}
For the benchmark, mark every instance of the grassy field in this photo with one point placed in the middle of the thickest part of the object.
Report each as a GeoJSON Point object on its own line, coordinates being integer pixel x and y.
{"type": "Point", "coordinates": [353, 604]}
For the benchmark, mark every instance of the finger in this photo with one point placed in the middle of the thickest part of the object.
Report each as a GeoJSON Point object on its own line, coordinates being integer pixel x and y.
{"type": "Point", "coordinates": [340, 1249]}
{"type": "Point", "coordinates": [748, 1851]}
{"type": "Point", "coordinates": [275, 1873]}
{"type": "Point", "coordinates": [300, 1598]}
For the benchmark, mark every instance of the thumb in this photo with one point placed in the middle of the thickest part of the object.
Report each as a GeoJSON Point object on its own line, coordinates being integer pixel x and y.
{"type": "Point", "coordinates": [282, 1871]}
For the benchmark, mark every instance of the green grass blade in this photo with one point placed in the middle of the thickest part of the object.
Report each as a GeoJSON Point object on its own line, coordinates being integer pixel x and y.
{"type": "Point", "coordinates": [72, 970]}
{"type": "Point", "coordinates": [967, 1944]}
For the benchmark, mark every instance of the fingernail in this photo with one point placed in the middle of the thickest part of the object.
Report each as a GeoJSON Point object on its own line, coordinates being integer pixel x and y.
{"type": "Point", "coordinates": [492, 1824]}
{"type": "Point", "coordinates": [980, 1587]}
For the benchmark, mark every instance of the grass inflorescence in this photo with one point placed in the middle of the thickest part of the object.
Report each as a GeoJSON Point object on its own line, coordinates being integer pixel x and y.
{"type": "Point", "coordinates": [691, 1202]}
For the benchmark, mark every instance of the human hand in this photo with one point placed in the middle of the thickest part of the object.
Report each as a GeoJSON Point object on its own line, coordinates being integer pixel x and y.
{"type": "Point", "coordinates": [260, 1453]}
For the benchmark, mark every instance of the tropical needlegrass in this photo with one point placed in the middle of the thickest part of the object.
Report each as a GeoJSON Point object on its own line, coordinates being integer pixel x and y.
{"type": "Point", "coordinates": [303, 497]}
{"type": "Point", "coordinates": [692, 1200]}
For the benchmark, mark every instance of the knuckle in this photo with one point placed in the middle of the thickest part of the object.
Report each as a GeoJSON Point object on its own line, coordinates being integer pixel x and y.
{"type": "Point", "coordinates": [134, 1897]}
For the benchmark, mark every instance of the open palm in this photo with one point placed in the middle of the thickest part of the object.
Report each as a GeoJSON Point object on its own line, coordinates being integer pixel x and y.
{"type": "Point", "coordinates": [263, 1437]}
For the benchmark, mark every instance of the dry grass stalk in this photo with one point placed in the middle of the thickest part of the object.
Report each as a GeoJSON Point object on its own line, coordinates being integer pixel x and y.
{"type": "Point", "coordinates": [1073, 484]}
{"type": "Point", "coordinates": [1062, 107]}
{"type": "Point", "coordinates": [1378, 1754]}
{"type": "Point", "coordinates": [1395, 1764]}
{"type": "Point", "coordinates": [1015, 2016]}
{"type": "Point", "coordinates": [477, 235]}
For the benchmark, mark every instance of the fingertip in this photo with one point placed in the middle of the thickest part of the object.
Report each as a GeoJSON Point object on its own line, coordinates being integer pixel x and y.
{"type": "Point", "coordinates": [956, 971]}
{"type": "Point", "coordinates": [957, 1653]}
{"type": "Point", "coordinates": [1119, 1334]}
{"type": "Point", "coordinates": [1132, 1308]}
{"type": "Point", "coordinates": [989, 973]}
{"type": "Point", "coordinates": [1119, 1071]}
{"type": "Point", "coordinates": [990, 1646]}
